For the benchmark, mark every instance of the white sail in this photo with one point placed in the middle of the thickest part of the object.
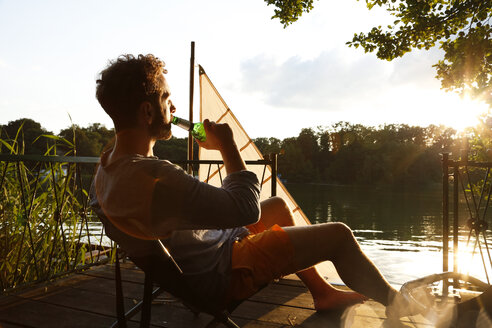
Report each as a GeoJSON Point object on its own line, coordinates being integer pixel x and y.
{"type": "Point", "coordinates": [213, 107]}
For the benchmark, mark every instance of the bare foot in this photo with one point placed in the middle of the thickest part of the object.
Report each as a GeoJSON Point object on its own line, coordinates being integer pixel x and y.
{"type": "Point", "coordinates": [335, 299]}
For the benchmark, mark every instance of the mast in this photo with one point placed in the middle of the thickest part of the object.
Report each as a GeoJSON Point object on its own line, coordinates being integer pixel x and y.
{"type": "Point", "coordinates": [192, 80]}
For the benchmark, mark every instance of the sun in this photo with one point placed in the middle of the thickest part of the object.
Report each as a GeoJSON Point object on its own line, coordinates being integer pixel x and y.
{"type": "Point", "coordinates": [424, 106]}
{"type": "Point", "coordinates": [461, 112]}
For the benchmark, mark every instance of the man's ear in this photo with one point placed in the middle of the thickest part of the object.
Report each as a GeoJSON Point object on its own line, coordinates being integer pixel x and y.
{"type": "Point", "coordinates": [146, 112]}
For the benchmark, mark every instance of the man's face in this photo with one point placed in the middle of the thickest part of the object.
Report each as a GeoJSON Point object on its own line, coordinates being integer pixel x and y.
{"type": "Point", "coordinates": [161, 125]}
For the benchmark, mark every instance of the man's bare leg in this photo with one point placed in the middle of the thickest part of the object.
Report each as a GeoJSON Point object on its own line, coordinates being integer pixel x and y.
{"type": "Point", "coordinates": [325, 296]}
{"type": "Point", "coordinates": [335, 242]}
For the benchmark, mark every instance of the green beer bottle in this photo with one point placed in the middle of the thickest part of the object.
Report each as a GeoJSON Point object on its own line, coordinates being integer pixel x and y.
{"type": "Point", "coordinates": [197, 129]}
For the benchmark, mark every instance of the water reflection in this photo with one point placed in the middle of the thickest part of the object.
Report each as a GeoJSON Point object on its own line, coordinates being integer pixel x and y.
{"type": "Point", "coordinates": [397, 215]}
{"type": "Point", "coordinates": [400, 230]}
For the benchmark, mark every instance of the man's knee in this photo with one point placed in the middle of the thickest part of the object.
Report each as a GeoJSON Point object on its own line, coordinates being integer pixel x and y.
{"type": "Point", "coordinates": [343, 231]}
{"type": "Point", "coordinates": [279, 203]}
{"type": "Point", "coordinates": [278, 208]}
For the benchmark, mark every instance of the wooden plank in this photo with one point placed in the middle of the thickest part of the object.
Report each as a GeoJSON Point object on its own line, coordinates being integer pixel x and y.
{"type": "Point", "coordinates": [273, 313]}
{"type": "Point", "coordinates": [257, 324]}
{"type": "Point", "coordinates": [83, 300]}
{"type": "Point", "coordinates": [88, 299]}
{"type": "Point", "coordinates": [67, 298]}
{"type": "Point", "coordinates": [128, 273]}
{"type": "Point", "coordinates": [95, 295]}
{"type": "Point", "coordinates": [10, 302]}
{"type": "Point", "coordinates": [172, 315]}
{"type": "Point", "coordinates": [183, 318]}
{"type": "Point", "coordinates": [37, 314]}
{"type": "Point", "coordinates": [273, 290]}
{"type": "Point", "coordinates": [100, 285]}
{"type": "Point", "coordinates": [99, 299]}
{"type": "Point", "coordinates": [5, 324]}
{"type": "Point", "coordinates": [55, 287]}
{"type": "Point", "coordinates": [176, 316]}
{"type": "Point", "coordinates": [7, 300]}
{"type": "Point", "coordinates": [296, 300]}
{"type": "Point", "coordinates": [278, 293]}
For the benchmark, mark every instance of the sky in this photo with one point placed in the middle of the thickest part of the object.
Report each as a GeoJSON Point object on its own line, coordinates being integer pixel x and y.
{"type": "Point", "coordinates": [276, 81]}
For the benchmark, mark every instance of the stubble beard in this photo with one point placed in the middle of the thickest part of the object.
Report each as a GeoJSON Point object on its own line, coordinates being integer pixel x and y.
{"type": "Point", "coordinates": [159, 129]}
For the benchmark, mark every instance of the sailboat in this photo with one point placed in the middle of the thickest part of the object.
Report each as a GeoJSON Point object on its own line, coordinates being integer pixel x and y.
{"type": "Point", "coordinates": [214, 108]}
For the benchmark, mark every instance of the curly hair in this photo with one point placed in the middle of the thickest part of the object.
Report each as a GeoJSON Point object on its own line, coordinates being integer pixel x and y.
{"type": "Point", "coordinates": [125, 83]}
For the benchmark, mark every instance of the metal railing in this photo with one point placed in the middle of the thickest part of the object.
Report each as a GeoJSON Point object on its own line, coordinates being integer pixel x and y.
{"type": "Point", "coordinates": [47, 228]}
{"type": "Point", "coordinates": [471, 191]}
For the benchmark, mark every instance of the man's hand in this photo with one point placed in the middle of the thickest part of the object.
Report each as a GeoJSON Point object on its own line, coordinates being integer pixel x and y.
{"type": "Point", "coordinates": [219, 136]}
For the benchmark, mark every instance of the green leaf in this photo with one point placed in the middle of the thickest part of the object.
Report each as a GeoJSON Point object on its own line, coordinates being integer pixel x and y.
{"type": "Point", "coordinates": [9, 147]}
{"type": "Point", "coordinates": [57, 138]}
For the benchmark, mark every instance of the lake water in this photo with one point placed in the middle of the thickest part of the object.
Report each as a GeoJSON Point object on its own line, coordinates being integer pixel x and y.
{"type": "Point", "coordinates": [400, 230]}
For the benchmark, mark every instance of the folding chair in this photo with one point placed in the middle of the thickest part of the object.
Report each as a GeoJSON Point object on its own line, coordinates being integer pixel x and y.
{"type": "Point", "coordinates": [176, 286]}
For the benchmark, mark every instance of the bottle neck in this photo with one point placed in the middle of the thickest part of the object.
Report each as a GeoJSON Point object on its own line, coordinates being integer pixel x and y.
{"type": "Point", "coordinates": [182, 123]}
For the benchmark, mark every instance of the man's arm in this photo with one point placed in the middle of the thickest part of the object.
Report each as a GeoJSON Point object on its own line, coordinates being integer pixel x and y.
{"type": "Point", "coordinates": [191, 204]}
{"type": "Point", "coordinates": [181, 202]}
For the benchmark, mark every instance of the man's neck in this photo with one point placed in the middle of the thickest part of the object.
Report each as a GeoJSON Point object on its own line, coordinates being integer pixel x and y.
{"type": "Point", "coordinates": [132, 142]}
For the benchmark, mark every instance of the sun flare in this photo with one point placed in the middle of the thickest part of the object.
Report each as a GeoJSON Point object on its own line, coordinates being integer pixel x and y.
{"type": "Point", "coordinates": [461, 112]}
{"type": "Point", "coordinates": [470, 261]}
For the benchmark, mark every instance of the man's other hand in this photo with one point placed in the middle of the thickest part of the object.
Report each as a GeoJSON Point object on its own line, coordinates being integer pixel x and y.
{"type": "Point", "coordinates": [219, 136]}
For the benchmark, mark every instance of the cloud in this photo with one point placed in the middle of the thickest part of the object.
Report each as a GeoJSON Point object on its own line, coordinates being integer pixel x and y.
{"type": "Point", "coordinates": [333, 80]}
{"type": "Point", "coordinates": [416, 68]}
{"type": "Point", "coordinates": [319, 83]}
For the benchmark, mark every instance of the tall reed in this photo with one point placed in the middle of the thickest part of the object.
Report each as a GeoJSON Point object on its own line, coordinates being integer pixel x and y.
{"type": "Point", "coordinates": [44, 214]}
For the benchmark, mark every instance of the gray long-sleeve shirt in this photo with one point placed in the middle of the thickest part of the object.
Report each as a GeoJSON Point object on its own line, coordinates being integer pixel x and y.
{"type": "Point", "coordinates": [143, 198]}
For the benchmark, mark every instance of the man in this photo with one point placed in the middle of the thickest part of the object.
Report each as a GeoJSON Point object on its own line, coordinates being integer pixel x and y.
{"type": "Point", "coordinates": [214, 234]}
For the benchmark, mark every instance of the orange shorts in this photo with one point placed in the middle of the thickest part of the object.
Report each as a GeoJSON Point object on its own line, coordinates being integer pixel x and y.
{"type": "Point", "coordinates": [259, 258]}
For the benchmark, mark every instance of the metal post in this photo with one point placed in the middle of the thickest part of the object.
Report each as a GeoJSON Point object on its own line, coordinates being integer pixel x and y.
{"type": "Point", "coordinates": [273, 158]}
{"type": "Point", "coordinates": [120, 307]}
{"type": "Point", "coordinates": [455, 222]}
{"type": "Point", "coordinates": [445, 210]}
{"type": "Point", "coordinates": [192, 82]}
{"type": "Point", "coordinates": [147, 300]}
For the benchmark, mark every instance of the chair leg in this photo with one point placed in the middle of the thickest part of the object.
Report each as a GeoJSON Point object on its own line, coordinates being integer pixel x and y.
{"type": "Point", "coordinates": [147, 301]}
{"type": "Point", "coordinates": [223, 318]}
{"type": "Point", "coordinates": [120, 307]}
{"type": "Point", "coordinates": [229, 323]}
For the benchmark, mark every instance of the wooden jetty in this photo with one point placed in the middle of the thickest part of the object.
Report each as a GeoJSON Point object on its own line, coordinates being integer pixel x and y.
{"type": "Point", "coordinates": [87, 299]}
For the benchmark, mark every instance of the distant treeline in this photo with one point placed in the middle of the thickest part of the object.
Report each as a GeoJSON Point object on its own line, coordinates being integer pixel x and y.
{"type": "Point", "coordinates": [343, 153]}
{"type": "Point", "coordinates": [347, 153]}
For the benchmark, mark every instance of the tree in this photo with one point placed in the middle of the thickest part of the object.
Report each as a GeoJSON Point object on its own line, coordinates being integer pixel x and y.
{"type": "Point", "coordinates": [88, 141]}
{"type": "Point", "coordinates": [461, 27]}
{"type": "Point", "coordinates": [268, 145]}
{"type": "Point", "coordinates": [173, 149]}
{"type": "Point", "coordinates": [288, 11]}
{"type": "Point", "coordinates": [28, 140]}
{"type": "Point", "coordinates": [293, 165]}
{"type": "Point", "coordinates": [479, 139]}
{"type": "Point", "coordinates": [308, 142]}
